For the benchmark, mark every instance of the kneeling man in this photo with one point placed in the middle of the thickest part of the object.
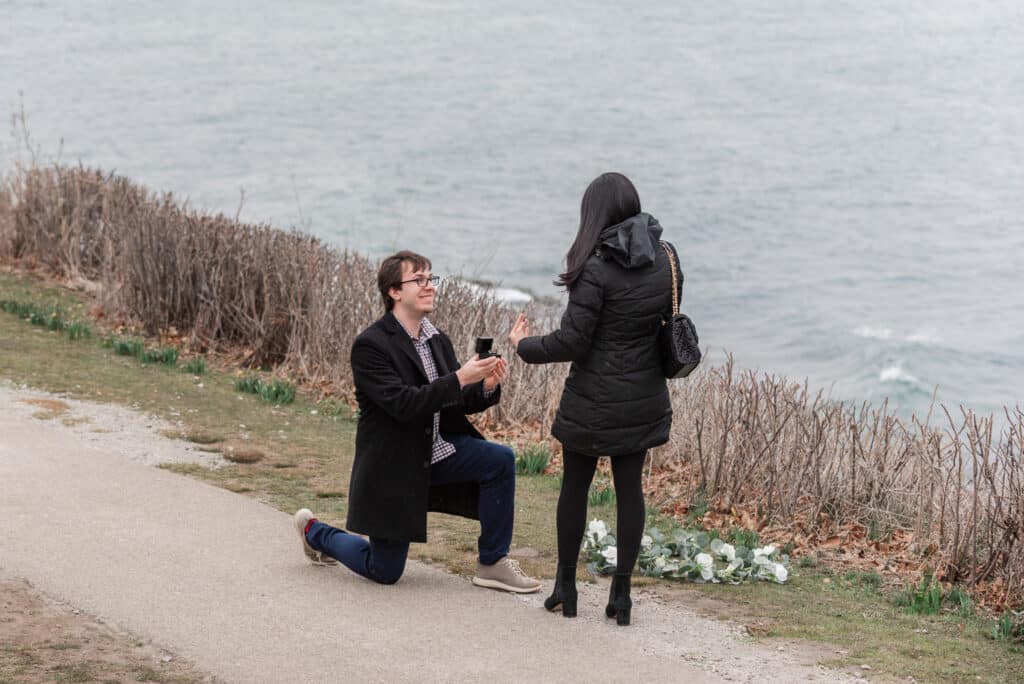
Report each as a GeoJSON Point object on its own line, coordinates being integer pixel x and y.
{"type": "Point", "coordinates": [415, 450]}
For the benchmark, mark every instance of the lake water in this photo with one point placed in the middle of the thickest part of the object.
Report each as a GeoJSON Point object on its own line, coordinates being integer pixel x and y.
{"type": "Point", "coordinates": [844, 180]}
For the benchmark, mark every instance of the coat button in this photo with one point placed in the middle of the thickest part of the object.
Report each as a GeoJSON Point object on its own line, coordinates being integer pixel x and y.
{"type": "Point", "coordinates": [426, 464]}
{"type": "Point", "coordinates": [429, 431]}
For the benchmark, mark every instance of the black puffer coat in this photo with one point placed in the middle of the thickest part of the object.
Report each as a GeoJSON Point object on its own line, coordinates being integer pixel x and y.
{"type": "Point", "coordinates": [616, 399]}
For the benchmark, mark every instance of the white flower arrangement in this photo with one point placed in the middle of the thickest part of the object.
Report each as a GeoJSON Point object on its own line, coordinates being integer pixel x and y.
{"type": "Point", "coordinates": [707, 566]}
{"type": "Point", "coordinates": [726, 552]}
{"type": "Point", "coordinates": [688, 555]}
{"type": "Point", "coordinates": [596, 531]}
{"type": "Point", "coordinates": [610, 554]}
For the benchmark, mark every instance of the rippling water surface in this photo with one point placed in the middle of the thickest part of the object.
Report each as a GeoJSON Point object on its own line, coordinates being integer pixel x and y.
{"type": "Point", "coordinates": [844, 180]}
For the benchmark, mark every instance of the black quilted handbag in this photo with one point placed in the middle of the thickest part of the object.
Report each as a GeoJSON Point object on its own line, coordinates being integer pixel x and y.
{"type": "Point", "coordinates": [680, 348]}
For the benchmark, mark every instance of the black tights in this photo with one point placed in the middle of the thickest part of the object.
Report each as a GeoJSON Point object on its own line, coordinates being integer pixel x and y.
{"type": "Point", "coordinates": [577, 473]}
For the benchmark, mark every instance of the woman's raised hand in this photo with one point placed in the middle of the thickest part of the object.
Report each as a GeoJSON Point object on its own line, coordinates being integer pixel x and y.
{"type": "Point", "coordinates": [520, 330]}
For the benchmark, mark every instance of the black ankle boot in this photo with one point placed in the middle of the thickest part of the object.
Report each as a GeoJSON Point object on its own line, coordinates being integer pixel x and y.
{"type": "Point", "coordinates": [564, 593]}
{"type": "Point", "coordinates": [619, 603]}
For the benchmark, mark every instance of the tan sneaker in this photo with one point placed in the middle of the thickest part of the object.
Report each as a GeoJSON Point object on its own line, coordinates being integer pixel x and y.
{"type": "Point", "coordinates": [302, 518]}
{"type": "Point", "coordinates": [505, 575]}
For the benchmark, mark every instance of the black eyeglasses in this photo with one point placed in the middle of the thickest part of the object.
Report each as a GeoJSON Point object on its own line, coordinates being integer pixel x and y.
{"type": "Point", "coordinates": [423, 280]}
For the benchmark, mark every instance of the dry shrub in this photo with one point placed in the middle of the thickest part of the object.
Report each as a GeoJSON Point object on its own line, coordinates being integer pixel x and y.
{"type": "Point", "coordinates": [6, 224]}
{"type": "Point", "coordinates": [789, 458]}
{"type": "Point", "coordinates": [800, 462]}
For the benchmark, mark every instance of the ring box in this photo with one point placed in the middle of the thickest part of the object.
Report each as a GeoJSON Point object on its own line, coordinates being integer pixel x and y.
{"type": "Point", "coordinates": [483, 348]}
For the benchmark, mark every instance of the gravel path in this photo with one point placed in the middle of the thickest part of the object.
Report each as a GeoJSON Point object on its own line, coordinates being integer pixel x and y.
{"type": "Point", "coordinates": [219, 578]}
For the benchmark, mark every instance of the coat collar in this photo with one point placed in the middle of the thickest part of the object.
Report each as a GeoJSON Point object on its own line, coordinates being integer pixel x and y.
{"type": "Point", "coordinates": [401, 338]}
{"type": "Point", "coordinates": [393, 326]}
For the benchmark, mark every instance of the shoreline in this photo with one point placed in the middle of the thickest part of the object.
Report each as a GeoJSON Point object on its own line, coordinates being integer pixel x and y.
{"type": "Point", "coordinates": [757, 451]}
{"type": "Point", "coordinates": [851, 619]}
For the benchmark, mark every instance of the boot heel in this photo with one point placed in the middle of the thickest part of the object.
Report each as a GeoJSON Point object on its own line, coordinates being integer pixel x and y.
{"type": "Point", "coordinates": [568, 606]}
{"type": "Point", "coordinates": [619, 603]}
{"type": "Point", "coordinates": [564, 594]}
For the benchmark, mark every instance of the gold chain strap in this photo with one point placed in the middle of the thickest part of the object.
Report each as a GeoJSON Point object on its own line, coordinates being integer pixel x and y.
{"type": "Point", "coordinates": [675, 282]}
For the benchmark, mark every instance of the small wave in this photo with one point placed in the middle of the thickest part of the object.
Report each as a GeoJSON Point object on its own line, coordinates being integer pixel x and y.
{"type": "Point", "coordinates": [897, 374]}
{"type": "Point", "coordinates": [511, 295]}
{"type": "Point", "coordinates": [923, 337]}
{"type": "Point", "coordinates": [508, 295]}
{"type": "Point", "coordinates": [873, 333]}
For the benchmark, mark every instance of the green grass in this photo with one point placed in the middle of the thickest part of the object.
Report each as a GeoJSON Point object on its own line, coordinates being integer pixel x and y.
{"type": "Point", "coordinates": [308, 457]}
{"type": "Point", "coordinates": [250, 384]}
{"type": "Point", "coordinates": [333, 407]}
{"type": "Point", "coordinates": [739, 536]}
{"type": "Point", "coordinates": [168, 356]}
{"type": "Point", "coordinates": [196, 366]}
{"type": "Point", "coordinates": [867, 580]}
{"type": "Point", "coordinates": [125, 346]}
{"type": "Point", "coordinates": [148, 674]}
{"type": "Point", "coordinates": [276, 391]}
{"type": "Point", "coordinates": [129, 346]}
{"type": "Point", "coordinates": [866, 627]}
{"type": "Point", "coordinates": [924, 598]}
{"type": "Point", "coordinates": [74, 673]}
{"type": "Point", "coordinates": [1009, 627]}
{"type": "Point", "coordinates": [698, 508]}
{"type": "Point", "coordinates": [533, 459]}
{"type": "Point", "coordinates": [961, 602]}
{"type": "Point", "coordinates": [52, 317]}
{"type": "Point", "coordinates": [79, 331]}
{"type": "Point", "coordinates": [602, 493]}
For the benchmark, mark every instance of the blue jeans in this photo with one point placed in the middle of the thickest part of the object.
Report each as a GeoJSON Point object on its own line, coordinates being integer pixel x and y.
{"type": "Point", "coordinates": [491, 465]}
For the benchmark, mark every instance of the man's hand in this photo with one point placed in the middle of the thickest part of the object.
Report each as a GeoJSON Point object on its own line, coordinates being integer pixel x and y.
{"type": "Point", "coordinates": [476, 369]}
{"type": "Point", "coordinates": [492, 381]}
{"type": "Point", "coordinates": [520, 330]}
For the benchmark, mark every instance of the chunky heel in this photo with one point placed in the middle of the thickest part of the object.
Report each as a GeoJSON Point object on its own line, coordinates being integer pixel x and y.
{"type": "Point", "coordinates": [564, 593]}
{"type": "Point", "coordinates": [619, 603]}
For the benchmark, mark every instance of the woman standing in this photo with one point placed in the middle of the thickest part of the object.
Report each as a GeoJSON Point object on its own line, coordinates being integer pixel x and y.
{"type": "Point", "coordinates": [615, 402]}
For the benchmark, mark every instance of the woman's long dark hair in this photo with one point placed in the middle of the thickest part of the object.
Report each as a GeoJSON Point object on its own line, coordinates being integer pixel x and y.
{"type": "Point", "coordinates": [610, 199]}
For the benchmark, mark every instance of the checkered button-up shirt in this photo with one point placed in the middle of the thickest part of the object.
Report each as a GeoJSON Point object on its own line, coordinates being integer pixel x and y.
{"type": "Point", "coordinates": [440, 449]}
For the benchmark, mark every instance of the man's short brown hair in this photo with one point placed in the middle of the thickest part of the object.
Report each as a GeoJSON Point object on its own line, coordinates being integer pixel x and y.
{"type": "Point", "coordinates": [390, 273]}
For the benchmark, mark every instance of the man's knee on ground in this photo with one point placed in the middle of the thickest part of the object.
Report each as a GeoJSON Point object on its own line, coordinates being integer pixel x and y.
{"type": "Point", "coordinates": [389, 577]}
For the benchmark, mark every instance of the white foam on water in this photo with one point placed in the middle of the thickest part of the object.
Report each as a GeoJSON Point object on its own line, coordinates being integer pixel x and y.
{"type": "Point", "coordinates": [870, 333]}
{"type": "Point", "coordinates": [926, 336]}
{"type": "Point", "coordinates": [512, 296]}
{"type": "Point", "coordinates": [896, 374]}
{"type": "Point", "coordinates": [508, 295]}
{"type": "Point", "coordinates": [923, 336]}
